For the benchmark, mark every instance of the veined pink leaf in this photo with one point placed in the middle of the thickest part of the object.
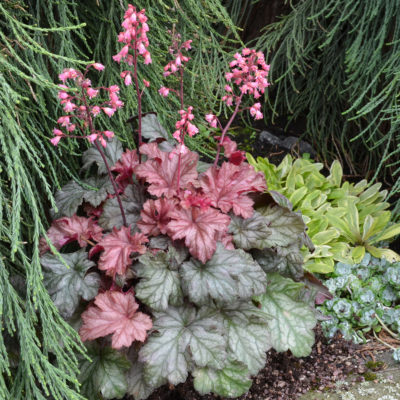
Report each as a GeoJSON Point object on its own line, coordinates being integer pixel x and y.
{"type": "Point", "coordinates": [69, 229]}
{"type": "Point", "coordinates": [161, 170]}
{"type": "Point", "coordinates": [124, 167]}
{"type": "Point", "coordinates": [199, 228]}
{"type": "Point", "coordinates": [118, 247]}
{"type": "Point", "coordinates": [227, 187]}
{"type": "Point", "coordinates": [155, 216]}
{"type": "Point", "coordinates": [115, 313]}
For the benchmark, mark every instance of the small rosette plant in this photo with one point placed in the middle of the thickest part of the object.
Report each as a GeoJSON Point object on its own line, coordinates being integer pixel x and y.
{"type": "Point", "coordinates": [167, 268]}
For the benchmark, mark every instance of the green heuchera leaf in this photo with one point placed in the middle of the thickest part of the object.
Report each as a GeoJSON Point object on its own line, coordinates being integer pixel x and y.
{"type": "Point", "coordinates": [247, 334]}
{"type": "Point", "coordinates": [132, 202]}
{"type": "Point", "coordinates": [291, 321]}
{"type": "Point", "coordinates": [286, 225]}
{"type": "Point", "coordinates": [182, 339]}
{"type": "Point", "coordinates": [105, 375]}
{"type": "Point", "coordinates": [72, 195]}
{"type": "Point", "coordinates": [67, 285]}
{"type": "Point", "coordinates": [229, 275]}
{"type": "Point", "coordinates": [250, 233]}
{"type": "Point", "coordinates": [159, 286]}
{"type": "Point", "coordinates": [231, 381]}
{"type": "Point", "coordinates": [113, 153]}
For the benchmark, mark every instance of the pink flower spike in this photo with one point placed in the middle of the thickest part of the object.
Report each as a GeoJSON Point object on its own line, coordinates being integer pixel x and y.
{"type": "Point", "coordinates": [128, 79]}
{"type": "Point", "coordinates": [92, 92]}
{"type": "Point", "coordinates": [146, 83]}
{"type": "Point", "coordinates": [96, 110]}
{"type": "Point", "coordinates": [109, 111]}
{"type": "Point", "coordinates": [64, 120]}
{"type": "Point", "coordinates": [63, 95]}
{"type": "Point", "coordinates": [68, 107]}
{"type": "Point", "coordinates": [163, 91]}
{"type": "Point", "coordinates": [92, 137]}
{"type": "Point", "coordinates": [114, 89]}
{"type": "Point", "coordinates": [103, 142]}
{"type": "Point", "coordinates": [57, 132]}
{"type": "Point", "coordinates": [109, 134]}
{"type": "Point", "coordinates": [98, 66]}
{"type": "Point", "coordinates": [55, 140]}
{"type": "Point", "coordinates": [212, 120]}
{"type": "Point", "coordinates": [71, 128]}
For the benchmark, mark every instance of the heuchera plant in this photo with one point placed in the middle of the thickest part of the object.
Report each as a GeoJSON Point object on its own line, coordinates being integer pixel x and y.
{"type": "Point", "coordinates": [165, 270]}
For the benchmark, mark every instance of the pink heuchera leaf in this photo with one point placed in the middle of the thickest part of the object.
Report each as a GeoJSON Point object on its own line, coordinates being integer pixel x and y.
{"type": "Point", "coordinates": [228, 185]}
{"type": "Point", "coordinates": [115, 313]}
{"type": "Point", "coordinates": [118, 246]}
{"type": "Point", "coordinates": [161, 170]}
{"type": "Point", "coordinates": [124, 167]}
{"type": "Point", "coordinates": [66, 230]}
{"type": "Point", "coordinates": [155, 216]}
{"type": "Point", "coordinates": [199, 228]}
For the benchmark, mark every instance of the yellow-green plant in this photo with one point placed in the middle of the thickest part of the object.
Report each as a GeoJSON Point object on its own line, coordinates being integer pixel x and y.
{"type": "Point", "coordinates": [344, 219]}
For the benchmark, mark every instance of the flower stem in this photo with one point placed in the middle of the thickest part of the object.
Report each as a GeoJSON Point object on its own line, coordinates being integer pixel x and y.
{"type": "Point", "coordinates": [139, 98]}
{"type": "Point", "coordinates": [103, 156]}
{"type": "Point", "coordinates": [183, 133]}
{"type": "Point", "coordinates": [227, 126]}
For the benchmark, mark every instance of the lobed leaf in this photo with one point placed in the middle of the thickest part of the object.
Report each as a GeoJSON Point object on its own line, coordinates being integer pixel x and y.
{"type": "Point", "coordinates": [182, 338]}
{"type": "Point", "coordinates": [67, 285]}
{"type": "Point", "coordinates": [227, 276]}
{"type": "Point", "coordinates": [290, 321]}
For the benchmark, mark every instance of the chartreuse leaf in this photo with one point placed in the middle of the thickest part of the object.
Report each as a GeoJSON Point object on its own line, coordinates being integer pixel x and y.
{"type": "Point", "coordinates": [290, 321]}
{"type": "Point", "coordinates": [388, 233]}
{"type": "Point", "coordinates": [105, 374]}
{"type": "Point", "coordinates": [286, 225]}
{"type": "Point", "coordinates": [132, 202]}
{"type": "Point", "coordinates": [112, 152]}
{"type": "Point", "coordinates": [159, 286]}
{"type": "Point", "coordinates": [67, 285]}
{"type": "Point", "coordinates": [227, 276]}
{"type": "Point", "coordinates": [182, 337]}
{"type": "Point", "coordinates": [336, 174]}
{"type": "Point", "coordinates": [231, 381]}
{"type": "Point", "coordinates": [250, 233]}
{"type": "Point", "coordinates": [247, 333]}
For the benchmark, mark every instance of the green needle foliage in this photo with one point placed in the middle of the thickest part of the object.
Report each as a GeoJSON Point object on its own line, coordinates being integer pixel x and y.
{"type": "Point", "coordinates": [38, 39]}
{"type": "Point", "coordinates": [337, 63]}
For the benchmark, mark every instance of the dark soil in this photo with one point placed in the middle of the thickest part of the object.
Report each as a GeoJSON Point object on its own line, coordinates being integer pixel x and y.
{"type": "Point", "coordinates": [286, 377]}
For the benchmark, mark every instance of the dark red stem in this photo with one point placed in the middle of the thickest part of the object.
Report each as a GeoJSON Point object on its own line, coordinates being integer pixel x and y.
{"type": "Point", "coordinates": [227, 126]}
{"type": "Point", "coordinates": [183, 132]}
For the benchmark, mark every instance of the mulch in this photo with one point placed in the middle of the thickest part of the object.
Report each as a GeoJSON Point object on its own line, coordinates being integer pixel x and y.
{"type": "Point", "coordinates": [286, 377]}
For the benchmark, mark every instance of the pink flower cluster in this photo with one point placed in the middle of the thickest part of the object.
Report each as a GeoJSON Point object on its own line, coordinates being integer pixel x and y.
{"type": "Point", "coordinates": [249, 72]}
{"type": "Point", "coordinates": [178, 57]}
{"type": "Point", "coordinates": [76, 104]}
{"type": "Point", "coordinates": [134, 36]}
{"type": "Point", "coordinates": [185, 126]}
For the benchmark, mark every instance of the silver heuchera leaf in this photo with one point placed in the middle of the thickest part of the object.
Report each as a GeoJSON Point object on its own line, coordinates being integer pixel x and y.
{"type": "Point", "coordinates": [137, 385]}
{"type": "Point", "coordinates": [247, 334]}
{"type": "Point", "coordinates": [250, 233]}
{"type": "Point", "coordinates": [153, 130]}
{"type": "Point", "coordinates": [229, 275]}
{"type": "Point", "coordinates": [231, 381]}
{"type": "Point", "coordinates": [68, 199]}
{"type": "Point", "coordinates": [159, 286]}
{"type": "Point", "coordinates": [291, 321]}
{"type": "Point", "coordinates": [132, 202]}
{"type": "Point", "coordinates": [286, 225]}
{"type": "Point", "coordinates": [105, 374]}
{"type": "Point", "coordinates": [112, 152]}
{"type": "Point", "coordinates": [72, 195]}
{"type": "Point", "coordinates": [281, 200]}
{"type": "Point", "coordinates": [104, 187]}
{"type": "Point", "coordinates": [67, 285]}
{"type": "Point", "coordinates": [182, 338]}
{"type": "Point", "coordinates": [290, 264]}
